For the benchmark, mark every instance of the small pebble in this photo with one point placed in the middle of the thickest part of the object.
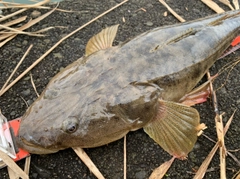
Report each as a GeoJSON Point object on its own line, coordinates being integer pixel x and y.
{"type": "Point", "coordinates": [13, 113]}
{"type": "Point", "coordinates": [25, 42]}
{"type": "Point", "coordinates": [57, 55]}
{"type": "Point", "coordinates": [149, 23]}
{"type": "Point", "coordinates": [26, 92]}
{"type": "Point", "coordinates": [141, 175]}
{"type": "Point", "coordinates": [35, 14]}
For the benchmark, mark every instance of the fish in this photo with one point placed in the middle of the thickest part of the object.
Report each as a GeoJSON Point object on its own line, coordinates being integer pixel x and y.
{"type": "Point", "coordinates": [141, 83]}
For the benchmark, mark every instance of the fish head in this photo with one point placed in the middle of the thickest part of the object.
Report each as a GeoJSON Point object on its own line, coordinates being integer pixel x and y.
{"type": "Point", "coordinates": [43, 132]}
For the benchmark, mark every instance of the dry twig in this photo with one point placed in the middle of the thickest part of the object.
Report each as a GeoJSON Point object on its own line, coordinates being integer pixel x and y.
{"type": "Point", "coordinates": [226, 2]}
{"type": "Point", "coordinates": [172, 11]}
{"type": "Point", "coordinates": [33, 84]}
{"type": "Point", "coordinates": [220, 133]}
{"type": "Point", "coordinates": [11, 164]}
{"type": "Point", "coordinates": [162, 169]}
{"type": "Point", "coordinates": [125, 157]}
{"type": "Point", "coordinates": [236, 4]}
{"type": "Point", "coordinates": [15, 69]}
{"type": "Point", "coordinates": [213, 6]}
{"type": "Point", "coordinates": [8, 37]}
{"type": "Point", "coordinates": [13, 22]}
{"type": "Point", "coordinates": [12, 15]}
{"type": "Point", "coordinates": [27, 165]}
{"type": "Point", "coordinates": [88, 162]}
{"type": "Point", "coordinates": [17, 5]}
{"type": "Point", "coordinates": [203, 168]}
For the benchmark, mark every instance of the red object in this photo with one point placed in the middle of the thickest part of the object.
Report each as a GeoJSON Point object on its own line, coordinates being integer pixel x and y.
{"type": "Point", "coordinates": [15, 126]}
{"type": "Point", "coordinates": [236, 41]}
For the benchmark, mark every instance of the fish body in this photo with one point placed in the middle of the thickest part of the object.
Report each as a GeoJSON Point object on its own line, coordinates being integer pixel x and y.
{"type": "Point", "coordinates": [109, 92]}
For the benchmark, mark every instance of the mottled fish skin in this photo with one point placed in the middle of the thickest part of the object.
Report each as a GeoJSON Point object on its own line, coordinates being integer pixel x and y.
{"type": "Point", "coordinates": [100, 98]}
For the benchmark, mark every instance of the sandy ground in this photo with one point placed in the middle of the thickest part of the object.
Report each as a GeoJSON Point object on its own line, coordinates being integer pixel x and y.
{"type": "Point", "coordinates": [143, 154]}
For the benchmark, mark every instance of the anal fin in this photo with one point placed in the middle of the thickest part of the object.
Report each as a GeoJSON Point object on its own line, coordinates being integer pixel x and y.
{"type": "Point", "coordinates": [199, 94]}
{"type": "Point", "coordinates": [175, 128]}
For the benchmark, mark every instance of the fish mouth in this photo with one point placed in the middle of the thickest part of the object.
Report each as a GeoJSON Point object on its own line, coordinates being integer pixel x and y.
{"type": "Point", "coordinates": [32, 147]}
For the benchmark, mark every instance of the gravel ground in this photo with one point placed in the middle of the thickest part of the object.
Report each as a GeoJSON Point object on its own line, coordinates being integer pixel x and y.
{"type": "Point", "coordinates": [142, 153]}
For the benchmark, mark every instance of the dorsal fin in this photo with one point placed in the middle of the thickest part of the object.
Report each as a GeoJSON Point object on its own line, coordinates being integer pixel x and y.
{"type": "Point", "coordinates": [102, 40]}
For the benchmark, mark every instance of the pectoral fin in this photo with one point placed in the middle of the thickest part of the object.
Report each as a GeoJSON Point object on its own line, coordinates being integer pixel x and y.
{"type": "Point", "coordinates": [175, 128]}
{"type": "Point", "coordinates": [102, 40]}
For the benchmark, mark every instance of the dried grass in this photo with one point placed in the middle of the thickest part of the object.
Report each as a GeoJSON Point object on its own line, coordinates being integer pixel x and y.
{"type": "Point", "coordinates": [8, 5]}
{"type": "Point", "coordinates": [88, 162]}
{"type": "Point", "coordinates": [227, 3]}
{"type": "Point", "coordinates": [78, 150]}
{"type": "Point", "coordinates": [125, 157]}
{"type": "Point", "coordinates": [236, 4]}
{"type": "Point", "coordinates": [172, 11]}
{"type": "Point", "coordinates": [14, 167]}
{"type": "Point", "coordinates": [213, 6]}
{"type": "Point", "coordinates": [4, 88]}
{"type": "Point", "coordinates": [162, 169]}
{"type": "Point", "coordinates": [8, 37]}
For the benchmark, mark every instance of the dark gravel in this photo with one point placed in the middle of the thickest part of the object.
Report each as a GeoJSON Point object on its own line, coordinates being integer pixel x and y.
{"type": "Point", "coordinates": [142, 153]}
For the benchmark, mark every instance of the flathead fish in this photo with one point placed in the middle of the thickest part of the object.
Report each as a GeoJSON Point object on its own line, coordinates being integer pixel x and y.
{"type": "Point", "coordinates": [112, 90]}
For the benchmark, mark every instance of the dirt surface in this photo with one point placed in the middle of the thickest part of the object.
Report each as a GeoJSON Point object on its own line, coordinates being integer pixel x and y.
{"type": "Point", "coordinates": [143, 154]}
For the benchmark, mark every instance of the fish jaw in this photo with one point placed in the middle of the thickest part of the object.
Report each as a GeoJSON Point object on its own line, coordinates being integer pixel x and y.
{"type": "Point", "coordinates": [34, 148]}
{"type": "Point", "coordinates": [27, 141]}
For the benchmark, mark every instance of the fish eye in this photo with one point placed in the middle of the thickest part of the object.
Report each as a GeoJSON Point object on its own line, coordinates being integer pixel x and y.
{"type": "Point", "coordinates": [70, 125]}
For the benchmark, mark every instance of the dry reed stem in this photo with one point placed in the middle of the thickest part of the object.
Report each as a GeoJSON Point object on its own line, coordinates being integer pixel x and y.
{"type": "Point", "coordinates": [237, 175]}
{"type": "Point", "coordinates": [55, 45]}
{"type": "Point", "coordinates": [17, 5]}
{"type": "Point", "coordinates": [16, 31]}
{"type": "Point", "coordinates": [15, 21]}
{"type": "Point", "coordinates": [29, 24]}
{"type": "Point", "coordinates": [12, 174]}
{"type": "Point", "coordinates": [88, 162]}
{"type": "Point", "coordinates": [220, 132]}
{"type": "Point", "coordinates": [213, 6]}
{"type": "Point", "coordinates": [172, 11]}
{"type": "Point", "coordinates": [10, 163]}
{"type": "Point", "coordinates": [27, 165]}
{"type": "Point", "coordinates": [203, 168]}
{"type": "Point", "coordinates": [227, 3]}
{"type": "Point", "coordinates": [125, 157]}
{"type": "Point", "coordinates": [236, 4]}
{"type": "Point", "coordinates": [234, 158]}
{"type": "Point", "coordinates": [39, 7]}
{"type": "Point", "coordinates": [12, 15]}
{"type": "Point", "coordinates": [33, 84]}
{"type": "Point", "coordinates": [162, 169]}
{"type": "Point", "coordinates": [15, 69]}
